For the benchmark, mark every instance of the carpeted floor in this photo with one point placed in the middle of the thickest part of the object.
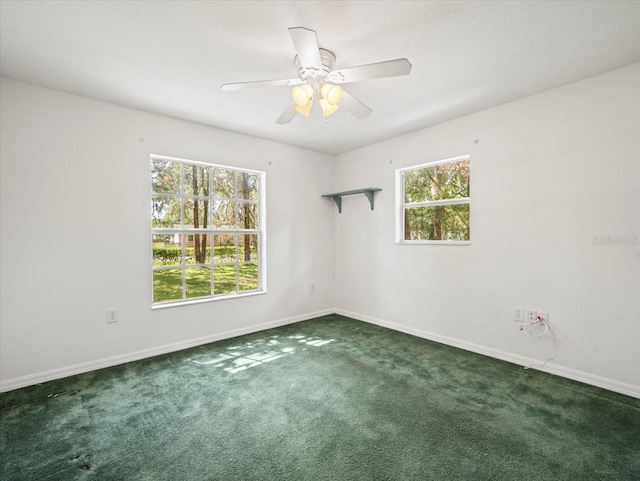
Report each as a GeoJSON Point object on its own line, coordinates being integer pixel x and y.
{"type": "Point", "coordinates": [326, 399]}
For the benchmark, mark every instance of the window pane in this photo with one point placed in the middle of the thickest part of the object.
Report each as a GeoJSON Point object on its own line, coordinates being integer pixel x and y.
{"type": "Point", "coordinates": [443, 181]}
{"type": "Point", "coordinates": [205, 212]}
{"type": "Point", "coordinates": [196, 179]}
{"type": "Point", "coordinates": [165, 212]}
{"type": "Point", "coordinates": [166, 249]}
{"type": "Point", "coordinates": [224, 279]}
{"type": "Point", "coordinates": [247, 186]}
{"type": "Point", "coordinates": [223, 183]}
{"type": "Point", "coordinates": [247, 216]}
{"type": "Point", "coordinates": [198, 281]}
{"type": "Point", "coordinates": [198, 249]}
{"type": "Point", "coordinates": [196, 213]}
{"type": "Point", "coordinates": [165, 176]}
{"type": "Point", "coordinates": [248, 247]}
{"type": "Point", "coordinates": [443, 222]}
{"type": "Point", "coordinates": [248, 277]}
{"type": "Point", "coordinates": [223, 214]}
{"type": "Point", "coordinates": [224, 248]}
{"type": "Point", "coordinates": [167, 285]}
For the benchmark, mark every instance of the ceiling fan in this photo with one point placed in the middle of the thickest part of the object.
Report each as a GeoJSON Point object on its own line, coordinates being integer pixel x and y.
{"type": "Point", "coordinates": [317, 79]}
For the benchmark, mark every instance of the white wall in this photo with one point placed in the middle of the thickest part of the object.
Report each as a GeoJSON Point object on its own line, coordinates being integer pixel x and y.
{"type": "Point", "coordinates": [76, 234]}
{"type": "Point", "coordinates": [549, 172]}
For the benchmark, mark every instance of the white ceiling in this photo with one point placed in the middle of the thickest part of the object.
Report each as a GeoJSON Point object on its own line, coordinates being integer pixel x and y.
{"type": "Point", "coordinates": [171, 57]}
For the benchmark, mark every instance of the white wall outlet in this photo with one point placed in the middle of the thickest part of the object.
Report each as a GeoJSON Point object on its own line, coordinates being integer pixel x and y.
{"type": "Point", "coordinates": [518, 314]}
{"type": "Point", "coordinates": [544, 316]}
{"type": "Point", "coordinates": [112, 314]}
{"type": "Point", "coordinates": [532, 316]}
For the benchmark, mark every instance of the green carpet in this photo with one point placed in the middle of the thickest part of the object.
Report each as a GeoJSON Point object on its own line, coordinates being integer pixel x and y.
{"type": "Point", "coordinates": [326, 399]}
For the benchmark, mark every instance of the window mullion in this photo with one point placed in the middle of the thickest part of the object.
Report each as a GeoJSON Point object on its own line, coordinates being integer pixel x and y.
{"type": "Point", "coordinates": [211, 232]}
{"type": "Point", "coordinates": [235, 200]}
{"type": "Point", "coordinates": [181, 193]}
{"type": "Point", "coordinates": [236, 217]}
{"type": "Point", "coordinates": [182, 236]}
{"type": "Point", "coordinates": [236, 263]}
{"type": "Point", "coordinates": [434, 203]}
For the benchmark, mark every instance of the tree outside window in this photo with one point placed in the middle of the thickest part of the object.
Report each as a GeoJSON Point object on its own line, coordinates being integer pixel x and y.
{"type": "Point", "coordinates": [435, 202]}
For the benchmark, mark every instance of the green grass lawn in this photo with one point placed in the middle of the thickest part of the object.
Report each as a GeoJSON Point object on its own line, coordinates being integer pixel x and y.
{"type": "Point", "coordinates": [167, 284]}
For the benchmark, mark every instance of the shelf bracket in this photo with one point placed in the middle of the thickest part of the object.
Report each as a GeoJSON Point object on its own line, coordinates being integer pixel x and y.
{"type": "Point", "coordinates": [369, 194]}
{"type": "Point", "coordinates": [338, 200]}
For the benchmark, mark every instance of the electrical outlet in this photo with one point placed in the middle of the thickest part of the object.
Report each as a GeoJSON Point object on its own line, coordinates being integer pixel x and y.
{"type": "Point", "coordinates": [532, 316]}
{"type": "Point", "coordinates": [518, 314]}
{"type": "Point", "coordinates": [112, 315]}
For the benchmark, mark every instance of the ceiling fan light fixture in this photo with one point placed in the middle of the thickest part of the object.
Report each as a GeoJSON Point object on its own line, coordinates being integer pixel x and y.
{"type": "Point", "coordinates": [327, 108]}
{"type": "Point", "coordinates": [330, 96]}
{"type": "Point", "coordinates": [302, 95]}
{"type": "Point", "coordinates": [304, 110]}
{"type": "Point", "coordinates": [331, 92]}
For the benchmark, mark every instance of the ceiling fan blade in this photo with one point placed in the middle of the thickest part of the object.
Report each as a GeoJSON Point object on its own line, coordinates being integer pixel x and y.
{"type": "Point", "coordinates": [390, 68]}
{"type": "Point", "coordinates": [288, 114]}
{"type": "Point", "coordinates": [262, 83]}
{"type": "Point", "coordinates": [354, 106]}
{"type": "Point", "coordinates": [305, 42]}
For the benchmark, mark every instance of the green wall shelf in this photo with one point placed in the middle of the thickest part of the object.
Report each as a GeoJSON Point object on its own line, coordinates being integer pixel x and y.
{"type": "Point", "coordinates": [337, 197]}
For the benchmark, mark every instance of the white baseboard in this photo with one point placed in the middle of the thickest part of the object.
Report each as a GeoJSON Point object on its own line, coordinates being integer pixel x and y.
{"type": "Point", "coordinates": [599, 381]}
{"type": "Point", "coordinates": [59, 373]}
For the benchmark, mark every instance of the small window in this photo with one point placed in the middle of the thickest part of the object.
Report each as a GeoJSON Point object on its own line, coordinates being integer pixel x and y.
{"type": "Point", "coordinates": [207, 231]}
{"type": "Point", "coordinates": [433, 203]}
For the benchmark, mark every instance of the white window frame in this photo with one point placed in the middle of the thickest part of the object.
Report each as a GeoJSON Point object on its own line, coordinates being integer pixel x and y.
{"type": "Point", "coordinates": [211, 230]}
{"type": "Point", "coordinates": [401, 205]}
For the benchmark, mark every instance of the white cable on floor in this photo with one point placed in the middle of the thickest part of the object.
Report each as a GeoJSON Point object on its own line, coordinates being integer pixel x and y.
{"type": "Point", "coordinates": [529, 330]}
{"type": "Point", "coordinates": [529, 366]}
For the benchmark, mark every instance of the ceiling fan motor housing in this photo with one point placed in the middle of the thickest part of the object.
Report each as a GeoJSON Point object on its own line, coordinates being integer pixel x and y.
{"type": "Point", "coordinates": [309, 74]}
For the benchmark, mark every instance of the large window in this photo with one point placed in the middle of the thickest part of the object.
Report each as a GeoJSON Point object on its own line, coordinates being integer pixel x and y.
{"type": "Point", "coordinates": [207, 231]}
{"type": "Point", "coordinates": [433, 203]}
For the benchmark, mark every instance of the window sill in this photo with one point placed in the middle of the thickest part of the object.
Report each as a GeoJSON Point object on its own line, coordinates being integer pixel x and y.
{"type": "Point", "coordinates": [189, 302]}
{"type": "Point", "coordinates": [434, 243]}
